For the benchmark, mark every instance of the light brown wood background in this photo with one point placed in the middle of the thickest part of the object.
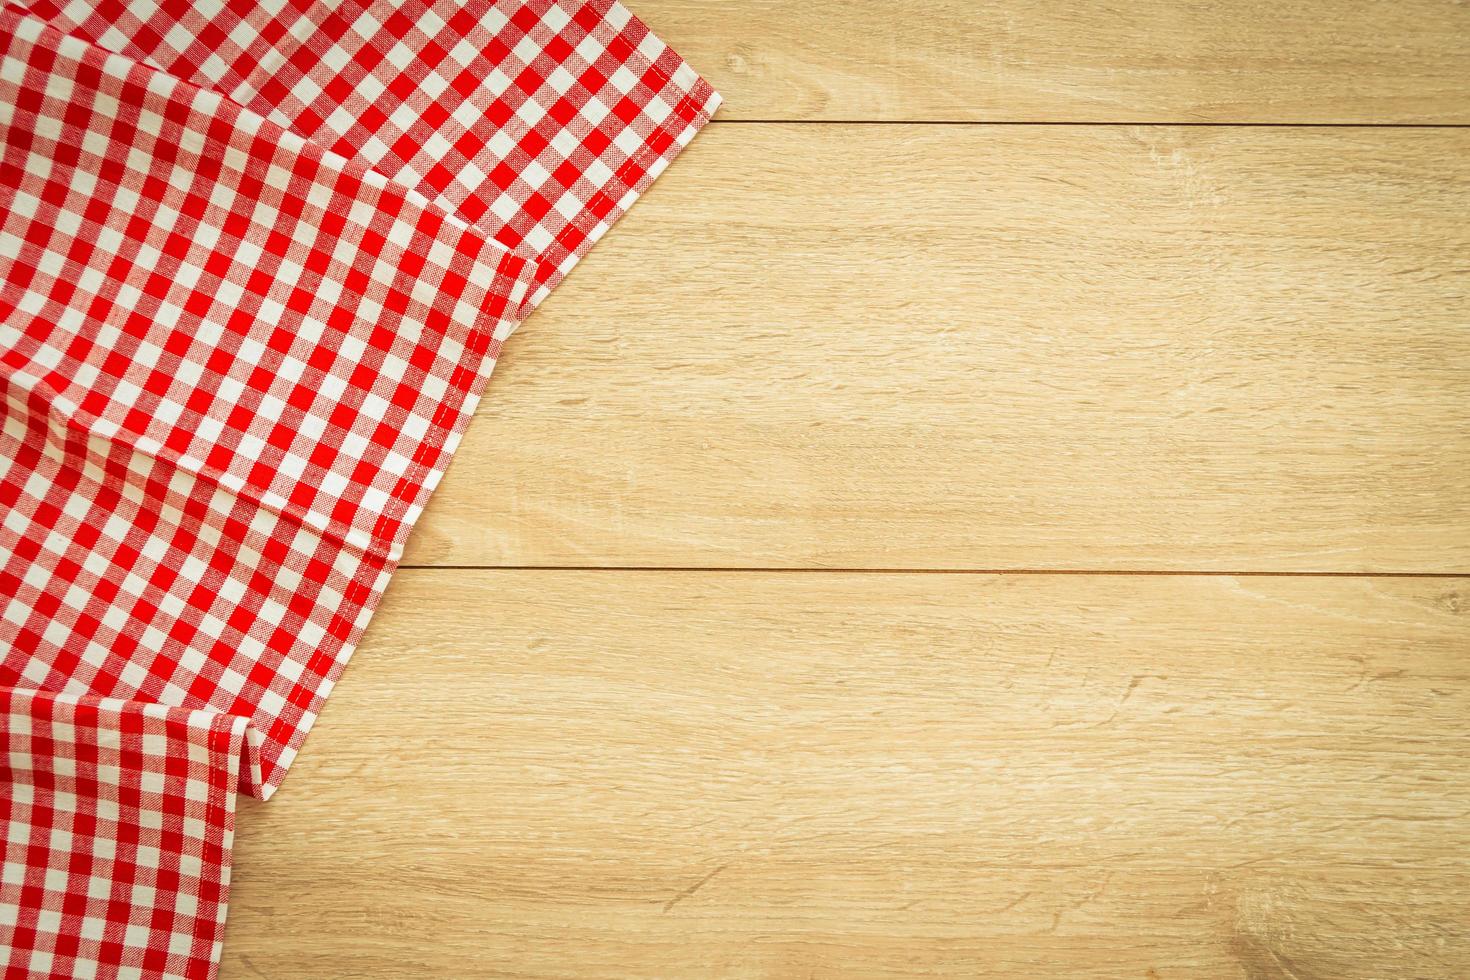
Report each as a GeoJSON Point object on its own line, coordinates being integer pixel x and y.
{"type": "Point", "coordinates": [915, 544]}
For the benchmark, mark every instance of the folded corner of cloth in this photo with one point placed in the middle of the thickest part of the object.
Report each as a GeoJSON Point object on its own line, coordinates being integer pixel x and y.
{"type": "Point", "coordinates": [255, 269]}
{"type": "Point", "coordinates": [126, 811]}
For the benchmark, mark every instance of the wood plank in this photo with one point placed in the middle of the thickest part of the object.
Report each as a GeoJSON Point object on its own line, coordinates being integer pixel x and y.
{"type": "Point", "coordinates": [635, 774]}
{"type": "Point", "coordinates": [971, 347]}
{"type": "Point", "coordinates": [1315, 61]}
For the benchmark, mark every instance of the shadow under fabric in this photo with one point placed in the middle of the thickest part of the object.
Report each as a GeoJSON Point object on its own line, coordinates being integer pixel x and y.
{"type": "Point", "coordinates": [256, 263]}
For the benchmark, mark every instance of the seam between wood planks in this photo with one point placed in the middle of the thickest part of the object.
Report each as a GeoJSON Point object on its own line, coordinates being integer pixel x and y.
{"type": "Point", "coordinates": [933, 571]}
{"type": "Point", "coordinates": [1064, 122]}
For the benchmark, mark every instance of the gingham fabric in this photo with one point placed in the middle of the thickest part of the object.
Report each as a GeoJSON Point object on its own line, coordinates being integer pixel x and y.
{"type": "Point", "coordinates": [537, 123]}
{"type": "Point", "coordinates": [256, 262]}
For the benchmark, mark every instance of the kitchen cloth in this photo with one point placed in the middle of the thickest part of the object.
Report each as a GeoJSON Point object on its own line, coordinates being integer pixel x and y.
{"type": "Point", "coordinates": [257, 260]}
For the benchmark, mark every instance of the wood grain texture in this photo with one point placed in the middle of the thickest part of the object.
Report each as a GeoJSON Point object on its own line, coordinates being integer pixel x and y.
{"type": "Point", "coordinates": [978, 347]}
{"type": "Point", "coordinates": [625, 774]}
{"type": "Point", "coordinates": [1315, 61]}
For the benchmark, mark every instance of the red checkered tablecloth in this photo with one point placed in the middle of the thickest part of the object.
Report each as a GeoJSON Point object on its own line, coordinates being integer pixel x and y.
{"type": "Point", "coordinates": [256, 262]}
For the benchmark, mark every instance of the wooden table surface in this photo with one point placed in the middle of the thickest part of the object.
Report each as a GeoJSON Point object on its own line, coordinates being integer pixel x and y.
{"type": "Point", "coordinates": [1000, 506]}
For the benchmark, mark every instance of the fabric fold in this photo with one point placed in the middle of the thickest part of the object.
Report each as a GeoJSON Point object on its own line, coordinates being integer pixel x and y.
{"type": "Point", "coordinates": [256, 264]}
{"type": "Point", "coordinates": [128, 810]}
{"type": "Point", "coordinates": [539, 123]}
